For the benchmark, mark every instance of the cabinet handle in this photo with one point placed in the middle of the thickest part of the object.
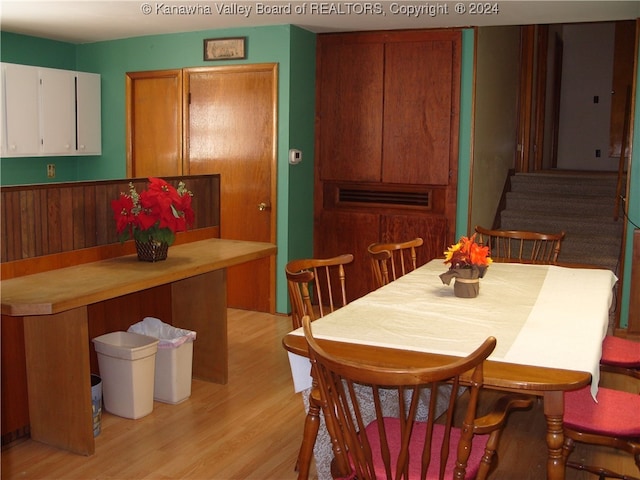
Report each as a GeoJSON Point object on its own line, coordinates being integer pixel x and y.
{"type": "Point", "coordinates": [262, 206]}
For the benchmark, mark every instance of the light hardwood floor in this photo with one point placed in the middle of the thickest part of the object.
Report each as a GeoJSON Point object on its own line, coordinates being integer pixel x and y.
{"type": "Point", "coordinates": [247, 429]}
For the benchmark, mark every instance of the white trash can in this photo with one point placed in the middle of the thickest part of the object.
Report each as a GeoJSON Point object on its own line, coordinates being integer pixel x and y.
{"type": "Point", "coordinates": [127, 367]}
{"type": "Point", "coordinates": [174, 360]}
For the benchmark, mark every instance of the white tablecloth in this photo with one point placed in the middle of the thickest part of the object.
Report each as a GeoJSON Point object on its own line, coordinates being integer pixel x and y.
{"type": "Point", "coordinates": [540, 315]}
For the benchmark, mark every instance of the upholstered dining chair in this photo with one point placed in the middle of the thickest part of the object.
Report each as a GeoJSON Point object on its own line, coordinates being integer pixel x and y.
{"type": "Point", "coordinates": [390, 261]}
{"type": "Point", "coordinates": [521, 245]}
{"type": "Point", "coordinates": [325, 279]}
{"type": "Point", "coordinates": [398, 445]}
{"type": "Point", "coordinates": [613, 421]}
{"type": "Point", "coordinates": [620, 355]}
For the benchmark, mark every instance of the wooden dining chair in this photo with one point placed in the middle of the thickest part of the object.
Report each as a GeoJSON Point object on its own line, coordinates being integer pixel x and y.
{"type": "Point", "coordinates": [390, 261]}
{"type": "Point", "coordinates": [613, 421]}
{"type": "Point", "coordinates": [369, 445]}
{"type": "Point", "coordinates": [317, 286]}
{"type": "Point", "coordinates": [521, 246]}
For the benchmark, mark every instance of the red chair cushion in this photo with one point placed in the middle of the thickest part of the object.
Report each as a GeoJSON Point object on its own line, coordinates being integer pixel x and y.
{"type": "Point", "coordinates": [620, 352]}
{"type": "Point", "coordinates": [392, 426]}
{"type": "Point", "coordinates": [615, 414]}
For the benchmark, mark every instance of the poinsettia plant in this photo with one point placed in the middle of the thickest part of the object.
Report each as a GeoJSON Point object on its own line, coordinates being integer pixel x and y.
{"type": "Point", "coordinates": [154, 215]}
{"type": "Point", "coordinates": [467, 254]}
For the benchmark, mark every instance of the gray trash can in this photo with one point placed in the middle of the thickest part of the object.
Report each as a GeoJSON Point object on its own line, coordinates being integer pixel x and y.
{"type": "Point", "coordinates": [96, 403]}
{"type": "Point", "coordinates": [174, 360]}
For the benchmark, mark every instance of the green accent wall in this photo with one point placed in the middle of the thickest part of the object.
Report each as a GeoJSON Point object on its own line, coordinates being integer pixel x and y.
{"type": "Point", "coordinates": [633, 206]}
{"type": "Point", "coordinates": [298, 231]}
{"type": "Point", "coordinates": [465, 135]}
{"type": "Point", "coordinates": [40, 52]}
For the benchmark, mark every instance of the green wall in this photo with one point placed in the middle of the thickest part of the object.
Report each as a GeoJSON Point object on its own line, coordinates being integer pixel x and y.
{"type": "Point", "coordinates": [299, 228]}
{"type": "Point", "coordinates": [633, 205]}
{"type": "Point", "coordinates": [465, 135]}
{"type": "Point", "coordinates": [43, 53]}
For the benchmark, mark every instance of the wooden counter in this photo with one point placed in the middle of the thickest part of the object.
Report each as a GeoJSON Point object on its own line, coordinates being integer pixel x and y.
{"type": "Point", "coordinates": [54, 306]}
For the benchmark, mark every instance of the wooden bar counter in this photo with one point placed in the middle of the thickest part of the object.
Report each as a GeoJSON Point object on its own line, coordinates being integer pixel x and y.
{"type": "Point", "coordinates": [55, 308]}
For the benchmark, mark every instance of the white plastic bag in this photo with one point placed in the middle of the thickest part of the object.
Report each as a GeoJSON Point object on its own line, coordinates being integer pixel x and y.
{"type": "Point", "coordinates": [168, 336]}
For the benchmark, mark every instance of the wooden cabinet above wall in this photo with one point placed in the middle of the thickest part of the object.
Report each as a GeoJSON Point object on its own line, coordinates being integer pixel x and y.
{"type": "Point", "coordinates": [388, 106]}
{"type": "Point", "coordinates": [387, 121]}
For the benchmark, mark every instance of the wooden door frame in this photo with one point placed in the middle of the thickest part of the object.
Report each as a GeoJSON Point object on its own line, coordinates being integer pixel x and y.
{"type": "Point", "coordinates": [256, 67]}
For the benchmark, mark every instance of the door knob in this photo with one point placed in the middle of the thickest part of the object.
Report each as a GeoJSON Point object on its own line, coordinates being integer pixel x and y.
{"type": "Point", "coordinates": [262, 206]}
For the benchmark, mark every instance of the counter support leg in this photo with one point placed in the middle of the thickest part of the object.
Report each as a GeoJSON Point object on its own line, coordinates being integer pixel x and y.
{"type": "Point", "coordinates": [200, 304]}
{"type": "Point", "coordinates": [59, 380]}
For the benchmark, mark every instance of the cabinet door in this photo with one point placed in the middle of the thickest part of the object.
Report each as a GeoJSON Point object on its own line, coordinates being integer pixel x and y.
{"type": "Point", "coordinates": [154, 123]}
{"type": "Point", "coordinates": [88, 114]}
{"type": "Point", "coordinates": [349, 117]}
{"type": "Point", "coordinates": [57, 111]}
{"type": "Point", "coordinates": [21, 110]}
{"type": "Point", "coordinates": [422, 81]}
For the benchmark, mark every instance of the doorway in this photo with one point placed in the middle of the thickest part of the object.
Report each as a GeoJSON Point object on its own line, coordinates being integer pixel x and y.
{"type": "Point", "coordinates": [230, 128]}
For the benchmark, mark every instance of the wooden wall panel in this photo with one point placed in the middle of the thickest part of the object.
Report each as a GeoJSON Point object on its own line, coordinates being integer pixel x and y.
{"type": "Point", "coordinates": [48, 219]}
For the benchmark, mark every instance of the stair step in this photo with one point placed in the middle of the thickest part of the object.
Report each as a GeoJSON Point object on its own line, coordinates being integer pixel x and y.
{"type": "Point", "coordinates": [600, 245]}
{"type": "Point", "coordinates": [581, 205]}
{"type": "Point", "coordinates": [610, 262]}
{"type": "Point", "coordinates": [586, 185]}
{"type": "Point", "coordinates": [577, 224]}
{"type": "Point", "coordinates": [560, 204]}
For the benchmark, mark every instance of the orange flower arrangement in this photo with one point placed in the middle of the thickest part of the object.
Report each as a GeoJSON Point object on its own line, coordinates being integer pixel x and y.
{"type": "Point", "coordinates": [468, 263]}
{"type": "Point", "coordinates": [467, 253]}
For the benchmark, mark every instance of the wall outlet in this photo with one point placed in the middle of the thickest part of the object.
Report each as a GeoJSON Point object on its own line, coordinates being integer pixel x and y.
{"type": "Point", "coordinates": [51, 170]}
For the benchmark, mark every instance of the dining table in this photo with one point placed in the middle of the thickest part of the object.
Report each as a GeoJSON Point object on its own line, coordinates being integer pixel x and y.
{"type": "Point", "coordinates": [549, 322]}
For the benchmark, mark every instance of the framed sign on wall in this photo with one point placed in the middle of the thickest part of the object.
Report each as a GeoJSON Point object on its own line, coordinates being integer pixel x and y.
{"type": "Point", "coordinates": [225, 48]}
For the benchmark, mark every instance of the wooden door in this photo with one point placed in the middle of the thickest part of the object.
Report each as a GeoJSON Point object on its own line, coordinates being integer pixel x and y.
{"type": "Point", "coordinates": [154, 123]}
{"type": "Point", "coordinates": [230, 129]}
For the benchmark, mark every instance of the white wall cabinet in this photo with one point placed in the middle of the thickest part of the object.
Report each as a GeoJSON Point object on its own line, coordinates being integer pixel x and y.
{"type": "Point", "coordinates": [88, 124]}
{"type": "Point", "coordinates": [20, 134]}
{"type": "Point", "coordinates": [50, 112]}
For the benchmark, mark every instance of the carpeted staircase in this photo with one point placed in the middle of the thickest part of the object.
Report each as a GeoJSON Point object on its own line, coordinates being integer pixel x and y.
{"type": "Point", "coordinates": [581, 205]}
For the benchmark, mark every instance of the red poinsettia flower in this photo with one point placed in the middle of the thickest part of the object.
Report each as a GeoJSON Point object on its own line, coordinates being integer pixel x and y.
{"type": "Point", "coordinates": [155, 214]}
{"type": "Point", "coordinates": [122, 212]}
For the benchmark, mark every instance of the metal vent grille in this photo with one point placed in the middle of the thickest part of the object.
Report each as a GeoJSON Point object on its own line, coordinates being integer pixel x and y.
{"type": "Point", "coordinates": [384, 197]}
